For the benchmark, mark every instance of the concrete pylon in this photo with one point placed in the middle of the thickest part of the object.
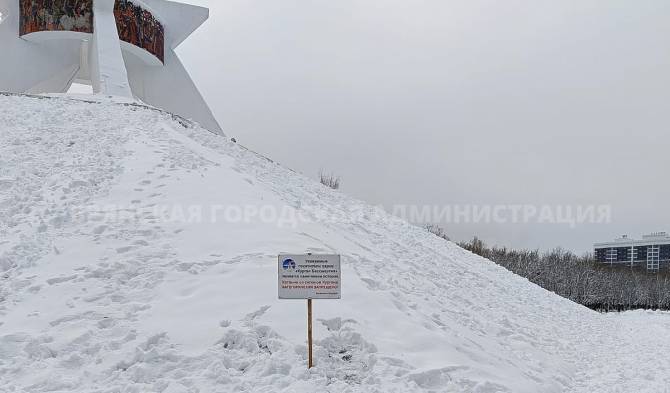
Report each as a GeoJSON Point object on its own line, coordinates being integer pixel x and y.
{"type": "Point", "coordinates": [108, 70]}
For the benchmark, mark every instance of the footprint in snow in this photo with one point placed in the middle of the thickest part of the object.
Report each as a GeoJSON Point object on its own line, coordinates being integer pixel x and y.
{"type": "Point", "coordinates": [336, 324]}
{"type": "Point", "coordinates": [59, 280]}
{"type": "Point", "coordinates": [372, 284]}
{"type": "Point", "coordinates": [99, 229]}
{"type": "Point", "coordinates": [257, 314]}
{"type": "Point", "coordinates": [122, 250]}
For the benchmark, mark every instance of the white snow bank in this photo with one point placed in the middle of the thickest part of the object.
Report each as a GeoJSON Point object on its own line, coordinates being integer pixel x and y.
{"type": "Point", "coordinates": [125, 268]}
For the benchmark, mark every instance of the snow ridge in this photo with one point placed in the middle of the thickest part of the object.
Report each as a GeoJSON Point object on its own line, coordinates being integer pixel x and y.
{"type": "Point", "coordinates": [124, 269]}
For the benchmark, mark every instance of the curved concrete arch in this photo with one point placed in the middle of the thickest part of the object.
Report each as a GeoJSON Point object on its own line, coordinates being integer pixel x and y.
{"type": "Point", "coordinates": [46, 37]}
{"type": "Point", "coordinates": [144, 55]}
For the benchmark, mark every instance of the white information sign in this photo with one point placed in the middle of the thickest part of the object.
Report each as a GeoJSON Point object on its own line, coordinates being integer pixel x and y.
{"type": "Point", "coordinates": [309, 276]}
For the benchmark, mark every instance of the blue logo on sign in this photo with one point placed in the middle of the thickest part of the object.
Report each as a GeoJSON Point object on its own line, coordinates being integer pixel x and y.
{"type": "Point", "coordinates": [289, 264]}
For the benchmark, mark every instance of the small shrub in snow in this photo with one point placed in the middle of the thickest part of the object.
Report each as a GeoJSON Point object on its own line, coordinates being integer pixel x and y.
{"type": "Point", "coordinates": [437, 231]}
{"type": "Point", "coordinates": [330, 180]}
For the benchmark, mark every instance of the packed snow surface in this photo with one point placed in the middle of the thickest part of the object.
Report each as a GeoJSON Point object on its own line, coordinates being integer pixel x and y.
{"type": "Point", "coordinates": [138, 253]}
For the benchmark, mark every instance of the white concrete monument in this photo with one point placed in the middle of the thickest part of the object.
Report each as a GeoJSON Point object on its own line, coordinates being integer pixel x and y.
{"type": "Point", "coordinates": [120, 47]}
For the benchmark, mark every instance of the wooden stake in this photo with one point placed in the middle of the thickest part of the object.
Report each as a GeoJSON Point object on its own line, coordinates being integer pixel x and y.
{"type": "Point", "coordinates": [309, 332]}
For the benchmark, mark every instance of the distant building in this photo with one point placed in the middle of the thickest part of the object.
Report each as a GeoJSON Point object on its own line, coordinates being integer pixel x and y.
{"type": "Point", "coordinates": [652, 251]}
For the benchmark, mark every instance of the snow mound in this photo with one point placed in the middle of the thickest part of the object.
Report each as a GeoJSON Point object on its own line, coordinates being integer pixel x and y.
{"type": "Point", "coordinates": [138, 254]}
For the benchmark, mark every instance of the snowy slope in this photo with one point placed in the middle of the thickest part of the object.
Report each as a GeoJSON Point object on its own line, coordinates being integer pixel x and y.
{"type": "Point", "coordinates": [126, 267]}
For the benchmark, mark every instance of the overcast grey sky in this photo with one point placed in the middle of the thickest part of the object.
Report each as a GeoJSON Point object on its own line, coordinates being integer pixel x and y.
{"type": "Point", "coordinates": [435, 102]}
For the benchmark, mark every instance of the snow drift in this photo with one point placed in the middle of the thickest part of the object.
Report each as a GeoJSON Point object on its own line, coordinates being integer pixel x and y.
{"type": "Point", "coordinates": [138, 254]}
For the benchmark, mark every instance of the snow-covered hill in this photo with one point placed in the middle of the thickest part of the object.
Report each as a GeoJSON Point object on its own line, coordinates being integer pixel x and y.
{"type": "Point", "coordinates": [138, 254]}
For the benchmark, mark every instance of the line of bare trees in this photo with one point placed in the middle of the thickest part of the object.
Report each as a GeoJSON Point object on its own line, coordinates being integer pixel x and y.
{"type": "Point", "coordinates": [580, 278]}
